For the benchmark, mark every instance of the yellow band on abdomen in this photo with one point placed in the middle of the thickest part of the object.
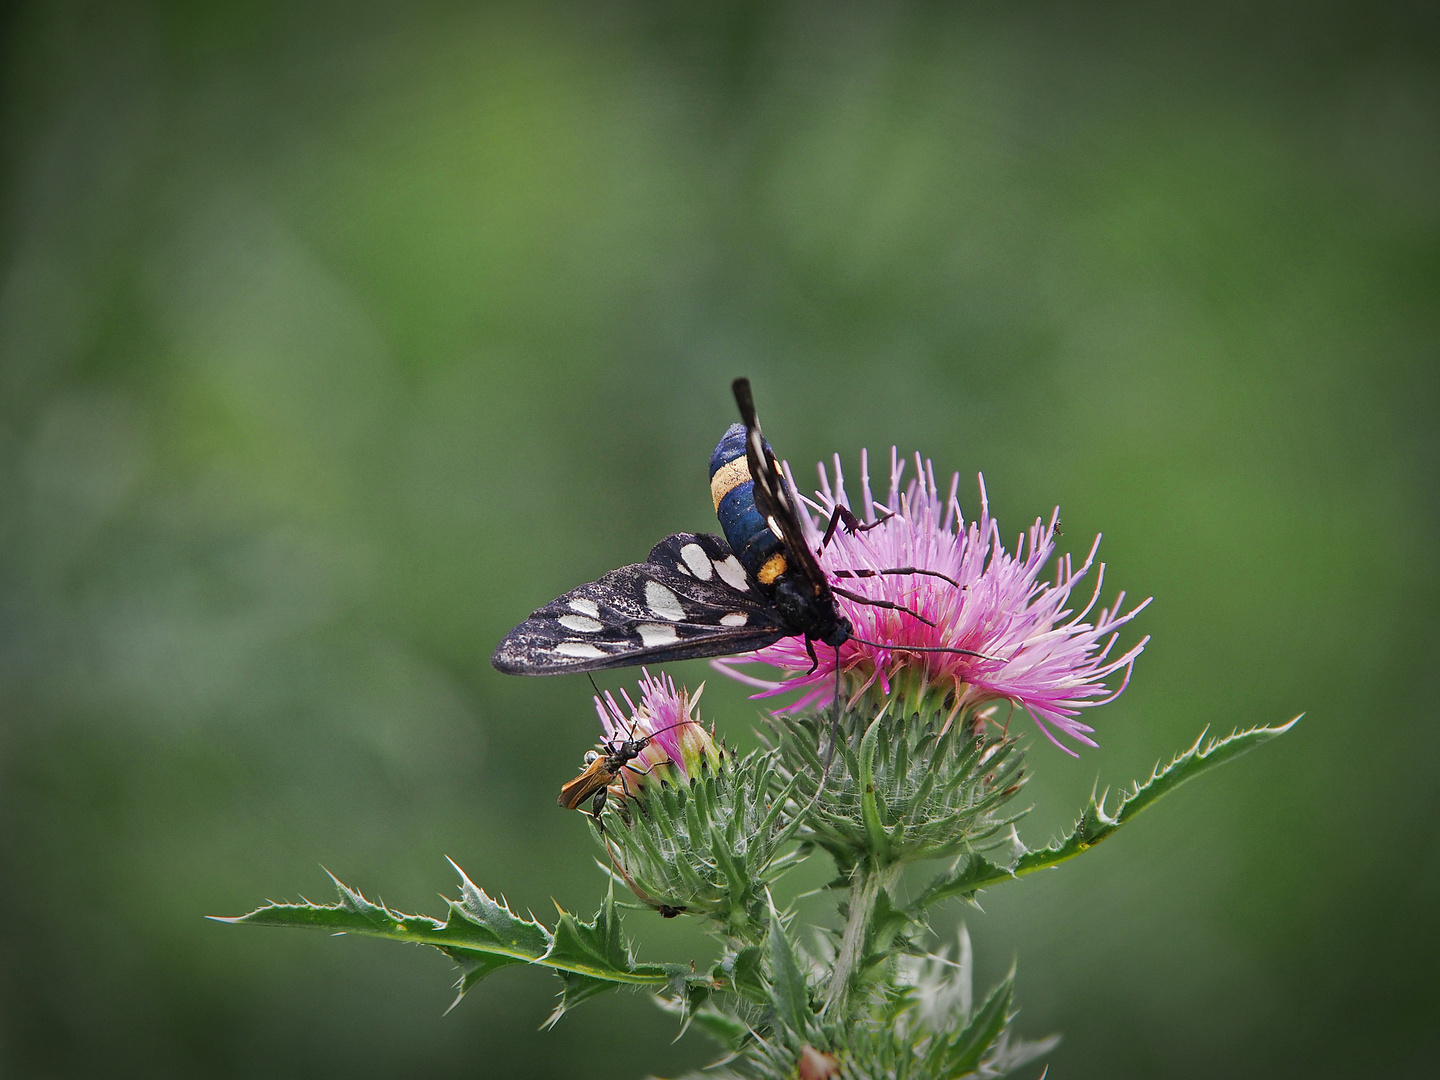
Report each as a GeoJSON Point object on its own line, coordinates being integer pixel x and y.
{"type": "Point", "coordinates": [727, 478]}
{"type": "Point", "coordinates": [773, 568]}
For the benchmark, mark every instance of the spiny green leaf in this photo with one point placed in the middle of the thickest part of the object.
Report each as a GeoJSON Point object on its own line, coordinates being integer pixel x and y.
{"type": "Point", "coordinates": [747, 974]}
{"type": "Point", "coordinates": [482, 931]}
{"type": "Point", "coordinates": [574, 989]}
{"type": "Point", "coordinates": [593, 957]}
{"type": "Point", "coordinates": [962, 1054]}
{"type": "Point", "coordinates": [1193, 762]}
{"type": "Point", "coordinates": [522, 937]}
{"type": "Point", "coordinates": [729, 1031]}
{"type": "Point", "coordinates": [597, 949]}
{"type": "Point", "coordinates": [686, 999]}
{"type": "Point", "coordinates": [789, 993]}
{"type": "Point", "coordinates": [968, 878]}
{"type": "Point", "coordinates": [1095, 823]}
{"type": "Point", "coordinates": [725, 1028]}
{"type": "Point", "coordinates": [482, 935]}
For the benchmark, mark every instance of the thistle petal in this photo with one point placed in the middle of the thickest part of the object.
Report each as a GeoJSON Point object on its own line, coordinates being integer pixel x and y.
{"type": "Point", "coordinates": [1034, 650]}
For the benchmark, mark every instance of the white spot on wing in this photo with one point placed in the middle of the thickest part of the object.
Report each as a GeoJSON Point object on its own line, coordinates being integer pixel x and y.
{"type": "Point", "coordinates": [739, 618]}
{"type": "Point", "coordinates": [581, 624]}
{"type": "Point", "coordinates": [775, 527]}
{"type": "Point", "coordinates": [652, 634]}
{"type": "Point", "coordinates": [580, 650]}
{"type": "Point", "coordinates": [698, 562]}
{"type": "Point", "coordinates": [662, 602]}
{"type": "Point", "coordinates": [586, 607]}
{"type": "Point", "coordinates": [732, 573]}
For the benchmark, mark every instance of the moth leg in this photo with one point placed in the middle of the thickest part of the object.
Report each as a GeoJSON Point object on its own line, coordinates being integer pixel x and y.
{"type": "Point", "coordinates": [843, 516]}
{"type": "Point", "coordinates": [875, 603]}
{"type": "Point", "coordinates": [898, 570]}
{"type": "Point", "coordinates": [810, 648]}
{"type": "Point", "coordinates": [929, 648]}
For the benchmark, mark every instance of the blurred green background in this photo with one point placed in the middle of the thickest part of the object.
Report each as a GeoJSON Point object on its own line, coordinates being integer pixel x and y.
{"type": "Point", "coordinates": [336, 337]}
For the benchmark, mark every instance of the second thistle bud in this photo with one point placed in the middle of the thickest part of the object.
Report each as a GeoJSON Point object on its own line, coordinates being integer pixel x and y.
{"type": "Point", "coordinates": [671, 742]}
{"type": "Point", "coordinates": [709, 838]}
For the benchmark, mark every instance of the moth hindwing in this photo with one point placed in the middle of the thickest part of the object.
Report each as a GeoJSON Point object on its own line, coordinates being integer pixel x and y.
{"type": "Point", "coordinates": [691, 598]}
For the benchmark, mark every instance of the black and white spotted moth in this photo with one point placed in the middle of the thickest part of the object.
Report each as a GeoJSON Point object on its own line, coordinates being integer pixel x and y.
{"type": "Point", "coordinates": [696, 595]}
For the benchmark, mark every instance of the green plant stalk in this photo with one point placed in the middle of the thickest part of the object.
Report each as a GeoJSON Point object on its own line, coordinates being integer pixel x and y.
{"type": "Point", "coordinates": [863, 895]}
{"type": "Point", "coordinates": [877, 872]}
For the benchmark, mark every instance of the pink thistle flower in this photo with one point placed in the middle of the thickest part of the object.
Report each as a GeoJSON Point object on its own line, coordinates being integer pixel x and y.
{"type": "Point", "coordinates": [1038, 653]}
{"type": "Point", "coordinates": [666, 716]}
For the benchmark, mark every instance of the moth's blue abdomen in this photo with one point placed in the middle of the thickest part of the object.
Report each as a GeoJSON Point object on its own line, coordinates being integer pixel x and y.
{"type": "Point", "coordinates": [759, 550]}
{"type": "Point", "coordinates": [730, 448]}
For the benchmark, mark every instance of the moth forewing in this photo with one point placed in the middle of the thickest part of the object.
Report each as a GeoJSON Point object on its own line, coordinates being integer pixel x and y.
{"type": "Point", "coordinates": [690, 600]}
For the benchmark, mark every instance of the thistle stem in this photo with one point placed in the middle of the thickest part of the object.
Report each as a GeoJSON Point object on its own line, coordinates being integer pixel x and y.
{"type": "Point", "coordinates": [863, 894]}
